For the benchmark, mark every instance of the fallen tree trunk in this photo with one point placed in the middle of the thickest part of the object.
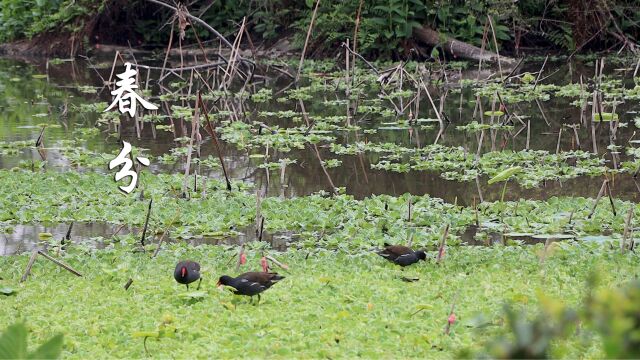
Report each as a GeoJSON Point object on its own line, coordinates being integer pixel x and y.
{"type": "Point", "coordinates": [455, 48]}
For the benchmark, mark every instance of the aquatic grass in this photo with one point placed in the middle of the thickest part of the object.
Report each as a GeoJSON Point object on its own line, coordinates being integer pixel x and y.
{"type": "Point", "coordinates": [338, 304]}
{"type": "Point", "coordinates": [330, 222]}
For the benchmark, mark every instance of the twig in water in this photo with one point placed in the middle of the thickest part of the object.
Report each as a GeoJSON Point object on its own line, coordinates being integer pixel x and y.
{"type": "Point", "coordinates": [40, 145]}
{"type": "Point", "coordinates": [211, 130]}
{"type": "Point", "coordinates": [355, 33]}
{"type": "Point", "coordinates": [166, 230]}
{"type": "Point", "coordinates": [495, 42]}
{"type": "Point", "coordinates": [542, 113]}
{"type": "Point", "coordinates": [324, 169]}
{"type": "Point", "coordinates": [27, 270]}
{"type": "Point", "coordinates": [627, 227]}
{"type": "Point", "coordinates": [205, 24]}
{"type": "Point", "coordinates": [40, 139]}
{"type": "Point", "coordinates": [146, 223]}
{"type": "Point", "coordinates": [128, 284]}
{"type": "Point", "coordinates": [535, 84]}
{"type": "Point", "coordinates": [443, 245]}
{"type": "Point", "coordinates": [475, 208]}
{"type": "Point", "coordinates": [194, 128]}
{"type": "Point", "coordinates": [479, 190]}
{"type": "Point", "coordinates": [603, 188]}
{"type": "Point", "coordinates": [155, 253]}
{"type": "Point", "coordinates": [485, 34]}
{"type": "Point", "coordinates": [306, 41]}
{"type": "Point", "coordinates": [512, 71]}
{"type": "Point", "coordinates": [559, 137]}
{"type": "Point", "coordinates": [362, 58]}
{"type": "Point", "coordinates": [528, 134]}
{"type": "Point", "coordinates": [433, 105]}
{"type": "Point", "coordinates": [273, 260]}
{"type": "Point", "coordinates": [241, 257]}
{"type": "Point", "coordinates": [261, 230]}
{"type": "Point", "coordinates": [613, 208]}
{"type": "Point", "coordinates": [67, 237]}
{"type": "Point", "coordinates": [118, 230]}
{"type": "Point", "coordinates": [231, 66]}
{"type": "Point", "coordinates": [59, 263]}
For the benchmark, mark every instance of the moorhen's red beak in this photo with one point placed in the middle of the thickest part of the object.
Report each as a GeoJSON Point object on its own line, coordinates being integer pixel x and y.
{"type": "Point", "coordinates": [183, 271]}
{"type": "Point", "coordinates": [219, 285]}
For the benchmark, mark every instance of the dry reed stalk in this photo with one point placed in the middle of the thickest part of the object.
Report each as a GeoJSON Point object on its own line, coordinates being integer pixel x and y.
{"type": "Point", "coordinates": [306, 41]}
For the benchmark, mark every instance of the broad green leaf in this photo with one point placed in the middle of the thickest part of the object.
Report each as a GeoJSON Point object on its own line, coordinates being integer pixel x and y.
{"type": "Point", "coordinates": [605, 117]}
{"type": "Point", "coordinates": [493, 113]}
{"type": "Point", "coordinates": [13, 343]}
{"type": "Point", "coordinates": [7, 290]}
{"type": "Point", "coordinates": [504, 175]}
{"type": "Point", "coordinates": [49, 350]}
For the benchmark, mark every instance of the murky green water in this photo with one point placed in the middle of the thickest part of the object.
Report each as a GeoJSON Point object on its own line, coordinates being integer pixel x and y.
{"type": "Point", "coordinates": [34, 93]}
{"type": "Point", "coordinates": [29, 101]}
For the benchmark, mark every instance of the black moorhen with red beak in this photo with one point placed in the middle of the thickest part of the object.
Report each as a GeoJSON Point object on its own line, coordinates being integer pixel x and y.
{"type": "Point", "coordinates": [250, 283]}
{"type": "Point", "coordinates": [187, 272]}
{"type": "Point", "coordinates": [402, 255]}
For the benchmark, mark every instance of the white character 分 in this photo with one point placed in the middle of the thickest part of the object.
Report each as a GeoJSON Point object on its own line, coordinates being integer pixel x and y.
{"type": "Point", "coordinates": [124, 160]}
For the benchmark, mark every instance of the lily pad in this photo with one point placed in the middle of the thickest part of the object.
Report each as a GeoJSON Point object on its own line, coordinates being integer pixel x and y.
{"type": "Point", "coordinates": [553, 236]}
{"type": "Point", "coordinates": [490, 225]}
{"type": "Point", "coordinates": [7, 291]}
{"type": "Point", "coordinates": [605, 117]}
{"type": "Point", "coordinates": [505, 174]}
{"type": "Point", "coordinates": [597, 238]}
{"type": "Point", "coordinates": [517, 234]}
{"type": "Point", "coordinates": [392, 128]}
{"type": "Point", "coordinates": [424, 307]}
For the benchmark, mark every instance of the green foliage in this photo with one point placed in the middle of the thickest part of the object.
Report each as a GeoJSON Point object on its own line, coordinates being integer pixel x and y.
{"type": "Point", "coordinates": [611, 313]}
{"type": "Point", "coordinates": [339, 304]}
{"type": "Point", "coordinates": [616, 315]}
{"type": "Point", "coordinates": [20, 18]}
{"type": "Point", "coordinates": [531, 339]}
{"type": "Point", "coordinates": [385, 26]}
{"type": "Point", "coordinates": [13, 345]}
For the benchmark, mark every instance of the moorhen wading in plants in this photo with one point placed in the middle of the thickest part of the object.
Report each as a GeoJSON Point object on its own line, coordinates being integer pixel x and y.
{"type": "Point", "coordinates": [250, 283]}
{"type": "Point", "coordinates": [187, 272]}
{"type": "Point", "coordinates": [402, 255]}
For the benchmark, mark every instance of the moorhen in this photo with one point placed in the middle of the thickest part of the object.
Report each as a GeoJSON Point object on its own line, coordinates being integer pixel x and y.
{"type": "Point", "coordinates": [402, 255]}
{"type": "Point", "coordinates": [250, 283]}
{"type": "Point", "coordinates": [187, 272]}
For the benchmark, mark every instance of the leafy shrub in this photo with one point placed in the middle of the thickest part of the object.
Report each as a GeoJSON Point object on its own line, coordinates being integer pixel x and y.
{"type": "Point", "coordinates": [616, 315]}
{"type": "Point", "coordinates": [27, 18]}
{"type": "Point", "coordinates": [13, 345]}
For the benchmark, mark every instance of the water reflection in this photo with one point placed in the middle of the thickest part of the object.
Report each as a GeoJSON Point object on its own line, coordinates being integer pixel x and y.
{"type": "Point", "coordinates": [30, 100]}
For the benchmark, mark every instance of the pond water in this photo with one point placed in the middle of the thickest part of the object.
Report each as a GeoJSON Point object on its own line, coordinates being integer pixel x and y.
{"type": "Point", "coordinates": [36, 93]}
{"type": "Point", "coordinates": [16, 239]}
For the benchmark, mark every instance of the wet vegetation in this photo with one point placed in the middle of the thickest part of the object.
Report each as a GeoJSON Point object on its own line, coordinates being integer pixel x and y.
{"type": "Point", "coordinates": [517, 178]}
